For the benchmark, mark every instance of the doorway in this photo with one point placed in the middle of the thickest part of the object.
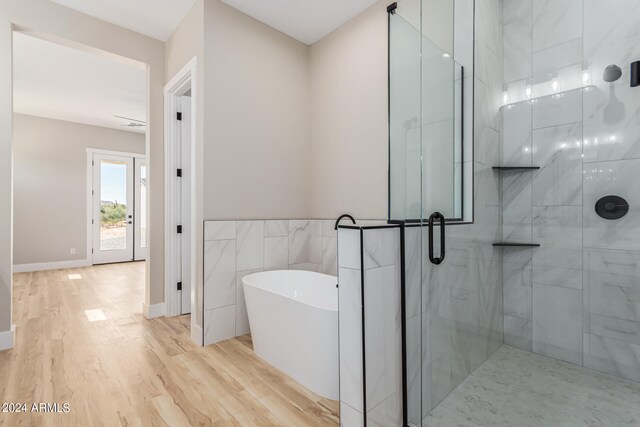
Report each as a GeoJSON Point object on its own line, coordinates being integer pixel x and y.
{"type": "Point", "coordinates": [104, 109]}
{"type": "Point", "coordinates": [180, 204]}
{"type": "Point", "coordinates": [117, 194]}
{"type": "Point", "coordinates": [183, 201]}
{"type": "Point", "coordinates": [180, 207]}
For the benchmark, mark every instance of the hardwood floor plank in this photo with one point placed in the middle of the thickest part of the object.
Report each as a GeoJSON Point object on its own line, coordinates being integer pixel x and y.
{"type": "Point", "coordinates": [126, 370]}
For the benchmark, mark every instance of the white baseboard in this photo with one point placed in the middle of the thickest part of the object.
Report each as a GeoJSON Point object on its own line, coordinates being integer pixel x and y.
{"type": "Point", "coordinates": [7, 338]}
{"type": "Point", "coordinates": [42, 266]}
{"type": "Point", "coordinates": [196, 334]}
{"type": "Point", "coordinates": [151, 311]}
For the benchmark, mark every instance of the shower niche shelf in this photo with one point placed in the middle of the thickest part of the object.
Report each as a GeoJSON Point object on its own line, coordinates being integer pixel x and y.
{"type": "Point", "coordinates": [516, 244]}
{"type": "Point", "coordinates": [559, 94]}
{"type": "Point", "coordinates": [516, 168]}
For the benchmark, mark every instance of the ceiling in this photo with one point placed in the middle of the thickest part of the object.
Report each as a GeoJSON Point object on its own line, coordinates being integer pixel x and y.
{"type": "Point", "coordinates": [58, 82]}
{"type": "Point", "coordinates": [153, 18]}
{"type": "Point", "coordinates": [305, 20]}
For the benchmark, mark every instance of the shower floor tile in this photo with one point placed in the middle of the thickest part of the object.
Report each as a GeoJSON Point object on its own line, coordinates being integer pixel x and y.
{"type": "Point", "coordinates": [518, 388]}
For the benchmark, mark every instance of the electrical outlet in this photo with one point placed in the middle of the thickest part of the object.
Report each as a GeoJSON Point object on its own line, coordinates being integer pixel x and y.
{"type": "Point", "coordinates": [72, 251]}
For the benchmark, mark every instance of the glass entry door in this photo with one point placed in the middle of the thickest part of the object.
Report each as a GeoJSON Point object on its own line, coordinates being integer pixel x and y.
{"type": "Point", "coordinates": [118, 201]}
{"type": "Point", "coordinates": [140, 209]}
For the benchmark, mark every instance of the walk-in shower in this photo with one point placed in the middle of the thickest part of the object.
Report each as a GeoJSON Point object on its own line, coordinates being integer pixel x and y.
{"type": "Point", "coordinates": [514, 151]}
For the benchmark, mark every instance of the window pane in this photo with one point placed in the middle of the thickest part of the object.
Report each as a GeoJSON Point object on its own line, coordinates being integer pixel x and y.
{"type": "Point", "coordinates": [113, 205]}
{"type": "Point", "coordinates": [143, 205]}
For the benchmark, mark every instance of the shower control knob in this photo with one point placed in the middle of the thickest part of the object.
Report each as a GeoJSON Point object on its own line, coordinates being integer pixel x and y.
{"type": "Point", "coordinates": [612, 207]}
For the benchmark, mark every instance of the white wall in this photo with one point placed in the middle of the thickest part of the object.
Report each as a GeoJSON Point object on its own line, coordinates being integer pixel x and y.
{"type": "Point", "coordinates": [256, 111]}
{"type": "Point", "coordinates": [257, 128]}
{"type": "Point", "coordinates": [50, 185]}
{"type": "Point", "coordinates": [186, 43]}
{"type": "Point", "coordinates": [253, 132]}
{"type": "Point", "coordinates": [282, 121]}
{"type": "Point", "coordinates": [349, 111]}
{"type": "Point", "coordinates": [349, 98]}
{"type": "Point", "coordinates": [279, 119]}
{"type": "Point", "coordinates": [75, 28]}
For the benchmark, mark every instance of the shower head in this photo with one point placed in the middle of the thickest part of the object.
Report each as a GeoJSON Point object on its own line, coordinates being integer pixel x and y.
{"type": "Point", "coordinates": [612, 73]}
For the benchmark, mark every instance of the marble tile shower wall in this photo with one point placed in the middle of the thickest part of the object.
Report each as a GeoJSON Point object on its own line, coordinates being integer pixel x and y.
{"type": "Point", "coordinates": [377, 251]}
{"type": "Point", "coordinates": [577, 296]}
{"type": "Point", "coordinates": [234, 249]}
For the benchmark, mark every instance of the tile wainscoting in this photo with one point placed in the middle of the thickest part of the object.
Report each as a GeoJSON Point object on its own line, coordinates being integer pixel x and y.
{"type": "Point", "coordinates": [370, 382]}
{"type": "Point", "coordinates": [235, 249]}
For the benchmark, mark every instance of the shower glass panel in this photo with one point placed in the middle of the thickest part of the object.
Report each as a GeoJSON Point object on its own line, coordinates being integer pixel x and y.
{"type": "Point", "coordinates": [441, 132]}
{"type": "Point", "coordinates": [426, 115]}
{"type": "Point", "coordinates": [405, 148]}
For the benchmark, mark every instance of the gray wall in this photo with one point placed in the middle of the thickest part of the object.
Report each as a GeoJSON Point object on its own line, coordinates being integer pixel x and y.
{"type": "Point", "coordinates": [277, 134]}
{"type": "Point", "coordinates": [253, 132]}
{"type": "Point", "coordinates": [185, 43]}
{"type": "Point", "coordinates": [349, 110]}
{"type": "Point", "coordinates": [50, 185]}
{"type": "Point", "coordinates": [349, 130]}
{"type": "Point", "coordinates": [576, 297]}
{"type": "Point", "coordinates": [257, 129]}
{"type": "Point", "coordinates": [257, 140]}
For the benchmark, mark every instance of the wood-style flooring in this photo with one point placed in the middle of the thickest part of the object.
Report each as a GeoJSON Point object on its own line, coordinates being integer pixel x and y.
{"type": "Point", "coordinates": [130, 371]}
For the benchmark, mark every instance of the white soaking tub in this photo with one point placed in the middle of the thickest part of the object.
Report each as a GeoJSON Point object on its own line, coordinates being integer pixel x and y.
{"type": "Point", "coordinates": [293, 317]}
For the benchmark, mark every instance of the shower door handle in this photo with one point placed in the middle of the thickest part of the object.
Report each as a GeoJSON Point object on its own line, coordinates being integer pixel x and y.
{"type": "Point", "coordinates": [437, 216]}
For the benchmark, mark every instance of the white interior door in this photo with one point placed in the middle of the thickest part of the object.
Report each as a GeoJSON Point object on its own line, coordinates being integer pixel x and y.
{"type": "Point", "coordinates": [113, 208]}
{"type": "Point", "coordinates": [183, 207]}
{"type": "Point", "coordinates": [140, 208]}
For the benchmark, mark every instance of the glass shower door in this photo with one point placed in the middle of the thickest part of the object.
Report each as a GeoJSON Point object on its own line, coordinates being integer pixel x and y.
{"type": "Point", "coordinates": [426, 181]}
{"type": "Point", "coordinates": [441, 204]}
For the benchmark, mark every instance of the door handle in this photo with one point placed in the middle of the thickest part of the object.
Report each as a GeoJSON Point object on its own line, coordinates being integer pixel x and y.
{"type": "Point", "coordinates": [432, 218]}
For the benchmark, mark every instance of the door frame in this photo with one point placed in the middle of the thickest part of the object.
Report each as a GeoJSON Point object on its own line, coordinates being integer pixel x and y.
{"type": "Point", "coordinates": [183, 81]}
{"type": "Point", "coordinates": [90, 154]}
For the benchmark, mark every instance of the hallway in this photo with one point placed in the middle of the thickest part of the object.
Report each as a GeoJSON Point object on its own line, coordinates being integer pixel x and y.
{"type": "Point", "coordinates": [81, 339]}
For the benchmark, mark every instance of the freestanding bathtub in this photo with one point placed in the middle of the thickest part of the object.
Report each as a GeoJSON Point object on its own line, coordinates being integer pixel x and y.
{"type": "Point", "coordinates": [293, 317]}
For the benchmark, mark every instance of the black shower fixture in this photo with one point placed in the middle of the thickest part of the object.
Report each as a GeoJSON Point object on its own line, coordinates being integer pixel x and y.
{"type": "Point", "coordinates": [612, 73]}
{"type": "Point", "coordinates": [612, 207]}
{"type": "Point", "coordinates": [635, 74]}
